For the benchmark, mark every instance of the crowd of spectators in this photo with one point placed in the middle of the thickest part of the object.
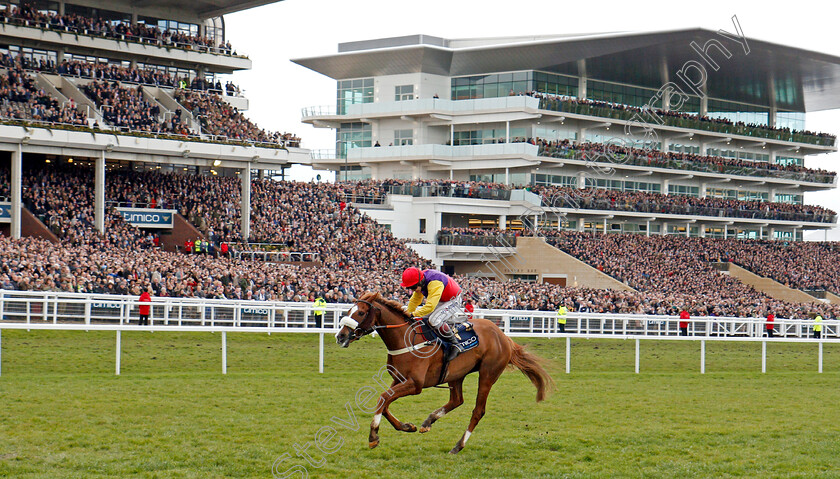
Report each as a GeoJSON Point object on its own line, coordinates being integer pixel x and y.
{"type": "Point", "coordinates": [219, 118]}
{"type": "Point", "coordinates": [126, 108]}
{"type": "Point", "coordinates": [690, 161]}
{"type": "Point", "coordinates": [355, 254]}
{"type": "Point", "coordinates": [62, 198]}
{"type": "Point", "coordinates": [375, 191]}
{"type": "Point", "coordinates": [123, 30]}
{"type": "Point", "coordinates": [21, 99]}
{"type": "Point", "coordinates": [674, 117]}
{"type": "Point", "coordinates": [641, 201]}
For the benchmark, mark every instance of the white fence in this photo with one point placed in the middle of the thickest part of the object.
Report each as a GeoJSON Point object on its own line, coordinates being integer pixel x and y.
{"type": "Point", "coordinates": [74, 311]}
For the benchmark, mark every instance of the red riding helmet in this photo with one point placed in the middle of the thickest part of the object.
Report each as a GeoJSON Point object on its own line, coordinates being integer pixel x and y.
{"type": "Point", "coordinates": [411, 277]}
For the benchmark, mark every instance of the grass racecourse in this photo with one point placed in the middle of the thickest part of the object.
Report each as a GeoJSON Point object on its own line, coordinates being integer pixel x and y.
{"type": "Point", "coordinates": [64, 414]}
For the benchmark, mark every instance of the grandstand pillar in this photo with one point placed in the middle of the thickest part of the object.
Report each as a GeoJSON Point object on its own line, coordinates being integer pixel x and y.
{"type": "Point", "coordinates": [581, 180]}
{"type": "Point", "coordinates": [17, 188]}
{"type": "Point", "coordinates": [704, 104]}
{"type": "Point", "coordinates": [245, 205]}
{"type": "Point", "coordinates": [581, 64]}
{"type": "Point", "coordinates": [702, 231]}
{"type": "Point", "coordinates": [507, 132]}
{"type": "Point", "coordinates": [452, 134]}
{"type": "Point", "coordinates": [507, 176]}
{"type": "Point", "coordinates": [772, 234]}
{"type": "Point", "coordinates": [99, 194]}
{"type": "Point", "coordinates": [688, 230]}
{"type": "Point", "coordinates": [502, 222]}
{"type": "Point", "coordinates": [581, 135]}
{"type": "Point", "coordinates": [647, 229]}
{"type": "Point", "coordinates": [665, 184]}
{"type": "Point", "coordinates": [702, 190]}
{"type": "Point", "coordinates": [664, 228]}
{"type": "Point", "coordinates": [772, 196]}
{"type": "Point", "coordinates": [663, 72]}
{"type": "Point", "coordinates": [605, 225]}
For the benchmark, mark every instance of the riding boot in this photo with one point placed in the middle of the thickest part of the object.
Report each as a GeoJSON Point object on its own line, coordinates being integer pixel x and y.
{"type": "Point", "coordinates": [449, 336]}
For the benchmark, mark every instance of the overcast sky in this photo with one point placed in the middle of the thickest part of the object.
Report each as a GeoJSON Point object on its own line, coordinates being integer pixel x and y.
{"type": "Point", "coordinates": [278, 89]}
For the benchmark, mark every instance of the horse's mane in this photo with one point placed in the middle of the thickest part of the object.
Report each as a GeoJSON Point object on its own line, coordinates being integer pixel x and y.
{"type": "Point", "coordinates": [394, 306]}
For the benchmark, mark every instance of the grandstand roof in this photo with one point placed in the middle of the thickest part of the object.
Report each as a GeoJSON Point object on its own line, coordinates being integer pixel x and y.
{"type": "Point", "coordinates": [804, 80]}
{"type": "Point", "coordinates": [206, 8]}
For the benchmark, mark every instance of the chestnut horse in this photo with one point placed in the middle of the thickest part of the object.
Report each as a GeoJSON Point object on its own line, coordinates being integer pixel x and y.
{"type": "Point", "coordinates": [416, 364]}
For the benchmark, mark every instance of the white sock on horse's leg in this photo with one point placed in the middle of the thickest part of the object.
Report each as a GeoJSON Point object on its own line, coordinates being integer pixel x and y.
{"type": "Point", "coordinates": [466, 436]}
{"type": "Point", "coordinates": [376, 420]}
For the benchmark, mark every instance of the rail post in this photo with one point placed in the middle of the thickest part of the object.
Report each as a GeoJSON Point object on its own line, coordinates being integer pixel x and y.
{"type": "Point", "coordinates": [321, 353]}
{"type": "Point", "coordinates": [568, 354]}
{"type": "Point", "coordinates": [819, 363]}
{"type": "Point", "coordinates": [224, 352]}
{"type": "Point", "coordinates": [702, 356]}
{"type": "Point", "coordinates": [637, 355]}
{"type": "Point", "coordinates": [764, 356]}
{"type": "Point", "coordinates": [1, 350]}
{"type": "Point", "coordinates": [118, 351]}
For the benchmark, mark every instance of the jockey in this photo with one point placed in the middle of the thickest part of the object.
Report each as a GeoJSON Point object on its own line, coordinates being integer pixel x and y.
{"type": "Point", "coordinates": [443, 301]}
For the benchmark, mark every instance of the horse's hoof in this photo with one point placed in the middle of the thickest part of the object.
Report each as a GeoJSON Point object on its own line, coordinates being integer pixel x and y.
{"type": "Point", "coordinates": [424, 429]}
{"type": "Point", "coordinates": [408, 427]}
{"type": "Point", "coordinates": [373, 444]}
{"type": "Point", "coordinates": [456, 449]}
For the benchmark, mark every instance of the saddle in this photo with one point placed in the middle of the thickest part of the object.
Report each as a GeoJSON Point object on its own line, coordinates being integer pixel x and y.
{"type": "Point", "coordinates": [465, 339]}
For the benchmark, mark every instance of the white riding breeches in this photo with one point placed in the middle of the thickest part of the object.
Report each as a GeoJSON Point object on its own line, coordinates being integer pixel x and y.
{"type": "Point", "coordinates": [450, 312]}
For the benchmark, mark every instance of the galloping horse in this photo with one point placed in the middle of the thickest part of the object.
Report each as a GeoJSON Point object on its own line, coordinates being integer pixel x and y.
{"type": "Point", "coordinates": [418, 364]}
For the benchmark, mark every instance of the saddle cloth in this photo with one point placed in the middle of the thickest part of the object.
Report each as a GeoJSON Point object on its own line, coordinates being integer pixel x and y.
{"type": "Point", "coordinates": [465, 336]}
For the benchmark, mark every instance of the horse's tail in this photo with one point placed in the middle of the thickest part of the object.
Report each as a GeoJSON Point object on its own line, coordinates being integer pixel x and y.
{"type": "Point", "coordinates": [530, 366]}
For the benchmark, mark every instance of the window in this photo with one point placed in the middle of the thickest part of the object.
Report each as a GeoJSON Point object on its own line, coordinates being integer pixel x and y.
{"type": "Point", "coordinates": [560, 180]}
{"type": "Point", "coordinates": [403, 137]}
{"type": "Point", "coordinates": [620, 94]}
{"type": "Point", "coordinates": [352, 92]}
{"type": "Point", "coordinates": [503, 84]}
{"type": "Point", "coordinates": [684, 190]}
{"type": "Point", "coordinates": [404, 92]}
{"type": "Point", "coordinates": [422, 226]}
{"type": "Point", "coordinates": [352, 135]}
{"type": "Point", "coordinates": [789, 160]}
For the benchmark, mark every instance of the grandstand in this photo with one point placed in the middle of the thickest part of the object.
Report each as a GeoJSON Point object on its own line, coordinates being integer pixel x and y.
{"type": "Point", "coordinates": [148, 163]}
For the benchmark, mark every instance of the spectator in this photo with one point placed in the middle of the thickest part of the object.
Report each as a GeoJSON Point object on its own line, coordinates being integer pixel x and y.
{"type": "Point", "coordinates": [145, 309]}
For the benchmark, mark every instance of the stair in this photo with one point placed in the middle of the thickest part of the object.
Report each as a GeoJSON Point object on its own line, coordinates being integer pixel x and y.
{"type": "Point", "coordinates": [182, 230]}
{"type": "Point", "coordinates": [770, 287]}
{"type": "Point", "coordinates": [832, 298]}
{"type": "Point", "coordinates": [31, 226]}
{"type": "Point", "coordinates": [71, 90]}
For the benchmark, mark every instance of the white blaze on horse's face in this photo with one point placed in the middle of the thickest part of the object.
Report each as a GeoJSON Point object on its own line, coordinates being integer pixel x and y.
{"type": "Point", "coordinates": [346, 325]}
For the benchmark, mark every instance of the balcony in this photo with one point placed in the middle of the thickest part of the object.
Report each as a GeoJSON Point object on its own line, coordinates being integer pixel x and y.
{"type": "Point", "coordinates": [681, 122]}
{"type": "Point", "coordinates": [760, 170]}
{"type": "Point", "coordinates": [422, 107]}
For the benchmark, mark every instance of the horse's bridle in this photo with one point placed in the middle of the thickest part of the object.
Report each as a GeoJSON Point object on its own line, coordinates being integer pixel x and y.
{"type": "Point", "coordinates": [366, 326]}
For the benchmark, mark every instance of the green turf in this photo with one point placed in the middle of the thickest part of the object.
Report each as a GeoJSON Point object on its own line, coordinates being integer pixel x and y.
{"type": "Point", "coordinates": [171, 413]}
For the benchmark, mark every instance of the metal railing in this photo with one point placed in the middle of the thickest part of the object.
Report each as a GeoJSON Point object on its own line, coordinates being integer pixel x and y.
{"type": "Point", "coordinates": [161, 42]}
{"type": "Point", "coordinates": [59, 307]}
{"type": "Point", "coordinates": [692, 121]}
{"type": "Point", "coordinates": [275, 256]}
{"type": "Point", "coordinates": [86, 312]}
{"type": "Point", "coordinates": [759, 169]}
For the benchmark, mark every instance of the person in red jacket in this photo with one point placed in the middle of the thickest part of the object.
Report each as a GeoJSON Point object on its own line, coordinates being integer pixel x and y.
{"type": "Point", "coordinates": [188, 246]}
{"type": "Point", "coordinates": [684, 317]}
{"type": "Point", "coordinates": [145, 309]}
{"type": "Point", "coordinates": [770, 320]}
{"type": "Point", "coordinates": [469, 308]}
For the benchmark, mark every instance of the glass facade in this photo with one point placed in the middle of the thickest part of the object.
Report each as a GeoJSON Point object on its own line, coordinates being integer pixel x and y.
{"type": "Point", "coordinates": [622, 185]}
{"type": "Point", "coordinates": [738, 112]}
{"type": "Point", "coordinates": [621, 94]}
{"type": "Point", "coordinates": [513, 83]}
{"type": "Point", "coordinates": [403, 137]}
{"type": "Point", "coordinates": [789, 160]}
{"type": "Point", "coordinates": [352, 135]}
{"type": "Point", "coordinates": [744, 195]}
{"type": "Point", "coordinates": [684, 190]}
{"type": "Point", "coordinates": [352, 92]}
{"type": "Point", "coordinates": [738, 154]}
{"type": "Point", "coordinates": [482, 137]}
{"type": "Point", "coordinates": [790, 119]}
{"type": "Point", "coordinates": [516, 179]}
{"type": "Point", "coordinates": [559, 180]}
{"type": "Point", "coordinates": [788, 198]}
{"type": "Point", "coordinates": [403, 92]}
